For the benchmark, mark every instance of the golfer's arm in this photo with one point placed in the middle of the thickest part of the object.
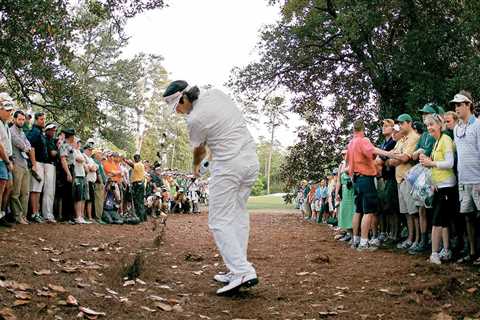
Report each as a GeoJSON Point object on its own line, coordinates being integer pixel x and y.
{"type": "Point", "coordinates": [3, 154]}
{"type": "Point", "coordinates": [199, 154]}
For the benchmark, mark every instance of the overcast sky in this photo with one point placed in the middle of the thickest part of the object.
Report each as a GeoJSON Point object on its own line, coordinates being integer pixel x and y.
{"type": "Point", "coordinates": [202, 40]}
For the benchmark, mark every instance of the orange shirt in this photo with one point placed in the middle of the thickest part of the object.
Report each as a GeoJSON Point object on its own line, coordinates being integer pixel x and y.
{"type": "Point", "coordinates": [360, 156]}
{"type": "Point", "coordinates": [113, 170]}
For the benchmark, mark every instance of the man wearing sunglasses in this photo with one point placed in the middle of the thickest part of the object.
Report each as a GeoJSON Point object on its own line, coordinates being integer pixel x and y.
{"type": "Point", "coordinates": [6, 166]}
{"type": "Point", "coordinates": [467, 141]}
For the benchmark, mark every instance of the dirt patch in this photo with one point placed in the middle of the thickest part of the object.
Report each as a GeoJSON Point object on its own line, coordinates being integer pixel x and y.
{"type": "Point", "coordinates": [304, 274]}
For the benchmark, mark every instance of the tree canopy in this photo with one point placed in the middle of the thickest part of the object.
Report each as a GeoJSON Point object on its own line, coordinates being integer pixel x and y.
{"type": "Point", "coordinates": [341, 60]}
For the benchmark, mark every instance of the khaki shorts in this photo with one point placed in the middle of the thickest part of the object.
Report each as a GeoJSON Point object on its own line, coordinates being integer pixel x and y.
{"type": "Point", "coordinates": [469, 197]}
{"type": "Point", "coordinates": [405, 200]}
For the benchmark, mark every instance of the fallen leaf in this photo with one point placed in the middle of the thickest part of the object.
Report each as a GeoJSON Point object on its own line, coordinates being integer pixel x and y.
{"type": "Point", "coordinates": [157, 298]}
{"type": "Point", "coordinates": [72, 301]}
{"type": "Point", "coordinates": [197, 273]}
{"type": "Point", "coordinates": [82, 285]}
{"type": "Point", "coordinates": [18, 303]}
{"type": "Point", "coordinates": [85, 244]}
{"type": "Point", "coordinates": [54, 260]}
{"type": "Point", "coordinates": [7, 314]}
{"type": "Point", "coordinates": [98, 295]}
{"type": "Point", "coordinates": [23, 295]}
{"type": "Point", "coordinates": [57, 288]}
{"type": "Point", "coordinates": [43, 272]}
{"type": "Point", "coordinates": [10, 264]}
{"type": "Point", "coordinates": [325, 314]}
{"type": "Point", "coordinates": [203, 317]}
{"type": "Point", "coordinates": [129, 283]}
{"type": "Point", "coordinates": [69, 269]}
{"type": "Point", "coordinates": [387, 291]}
{"type": "Point", "coordinates": [91, 312]}
{"type": "Point", "coordinates": [140, 281]}
{"type": "Point", "coordinates": [177, 308]}
{"type": "Point", "coordinates": [111, 291]}
{"type": "Point", "coordinates": [163, 306]}
{"type": "Point", "coordinates": [472, 290]}
{"type": "Point", "coordinates": [174, 267]}
{"type": "Point", "coordinates": [147, 309]}
{"type": "Point", "coordinates": [41, 240]}
{"type": "Point", "coordinates": [46, 293]}
{"type": "Point", "coordinates": [304, 273]}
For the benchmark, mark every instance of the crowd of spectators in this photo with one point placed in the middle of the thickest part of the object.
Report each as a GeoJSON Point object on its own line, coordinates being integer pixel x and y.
{"type": "Point", "coordinates": [49, 175]}
{"type": "Point", "coordinates": [418, 190]}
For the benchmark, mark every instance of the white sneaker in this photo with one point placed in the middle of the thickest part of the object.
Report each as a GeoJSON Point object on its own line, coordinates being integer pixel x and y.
{"type": "Point", "coordinates": [80, 221]}
{"type": "Point", "coordinates": [2, 214]}
{"type": "Point", "coordinates": [223, 277]}
{"type": "Point", "coordinates": [434, 258]}
{"type": "Point", "coordinates": [374, 242]}
{"type": "Point", "coordinates": [236, 282]}
{"type": "Point", "coordinates": [404, 245]}
{"type": "Point", "coordinates": [445, 254]}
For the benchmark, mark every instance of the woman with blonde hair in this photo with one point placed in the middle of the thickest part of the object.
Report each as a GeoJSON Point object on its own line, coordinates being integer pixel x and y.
{"type": "Point", "coordinates": [444, 182]}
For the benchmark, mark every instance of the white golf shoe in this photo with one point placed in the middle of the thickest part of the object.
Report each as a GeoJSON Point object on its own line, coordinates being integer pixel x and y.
{"type": "Point", "coordinates": [237, 282]}
{"type": "Point", "coordinates": [223, 277]}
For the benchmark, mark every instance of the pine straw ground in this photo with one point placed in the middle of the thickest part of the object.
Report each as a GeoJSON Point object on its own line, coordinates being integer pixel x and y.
{"type": "Point", "coordinates": [304, 274]}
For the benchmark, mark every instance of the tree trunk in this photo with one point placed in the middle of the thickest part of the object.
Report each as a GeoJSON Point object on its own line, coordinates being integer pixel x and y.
{"type": "Point", "coordinates": [270, 157]}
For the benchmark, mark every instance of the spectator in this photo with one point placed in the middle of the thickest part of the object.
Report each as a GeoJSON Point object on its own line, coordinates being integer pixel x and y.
{"type": "Point", "coordinates": [67, 160]}
{"type": "Point", "coordinates": [138, 186]}
{"type": "Point", "coordinates": [444, 180]}
{"type": "Point", "coordinates": [99, 183]}
{"type": "Point", "coordinates": [48, 197]}
{"type": "Point", "coordinates": [91, 178]}
{"type": "Point", "coordinates": [39, 143]}
{"type": "Point", "coordinates": [79, 185]}
{"type": "Point", "coordinates": [424, 146]}
{"type": "Point", "coordinates": [362, 169]}
{"type": "Point", "coordinates": [306, 205]}
{"type": "Point", "coordinates": [6, 166]}
{"type": "Point", "coordinates": [180, 202]}
{"type": "Point", "coordinates": [400, 158]}
{"type": "Point", "coordinates": [22, 151]}
{"type": "Point", "coordinates": [387, 188]}
{"type": "Point", "coordinates": [345, 196]}
{"type": "Point", "coordinates": [451, 120]}
{"type": "Point", "coordinates": [467, 141]}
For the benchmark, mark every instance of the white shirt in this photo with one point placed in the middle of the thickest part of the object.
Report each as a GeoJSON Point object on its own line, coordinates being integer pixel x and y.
{"type": "Point", "coordinates": [216, 121]}
{"type": "Point", "coordinates": [5, 138]}
{"type": "Point", "coordinates": [91, 176]}
{"type": "Point", "coordinates": [79, 169]}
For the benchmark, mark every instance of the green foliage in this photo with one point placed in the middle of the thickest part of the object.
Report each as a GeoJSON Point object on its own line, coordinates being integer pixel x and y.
{"type": "Point", "coordinates": [258, 187]}
{"type": "Point", "coordinates": [341, 60]}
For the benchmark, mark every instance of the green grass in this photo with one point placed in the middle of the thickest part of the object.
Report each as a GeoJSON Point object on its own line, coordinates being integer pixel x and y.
{"type": "Point", "coordinates": [267, 202]}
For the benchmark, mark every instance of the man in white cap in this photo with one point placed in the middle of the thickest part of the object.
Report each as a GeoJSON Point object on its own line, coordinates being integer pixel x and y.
{"type": "Point", "coordinates": [6, 166]}
{"type": "Point", "coordinates": [467, 140]}
{"type": "Point", "coordinates": [50, 173]}
{"type": "Point", "coordinates": [215, 121]}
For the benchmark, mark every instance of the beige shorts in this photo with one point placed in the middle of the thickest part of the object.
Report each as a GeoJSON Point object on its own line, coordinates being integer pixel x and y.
{"type": "Point", "coordinates": [469, 195]}
{"type": "Point", "coordinates": [405, 200]}
{"type": "Point", "coordinates": [37, 186]}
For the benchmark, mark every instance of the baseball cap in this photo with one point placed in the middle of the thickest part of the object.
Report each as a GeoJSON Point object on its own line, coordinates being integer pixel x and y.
{"type": "Point", "coordinates": [405, 117]}
{"type": "Point", "coordinates": [459, 98]}
{"type": "Point", "coordinates": [396, 127]}
{"type": "Point", "coordinates": [174, 92]}
{"type": "Point", "coordinates": [432, 108]}
{"type": "Point", "coordinates": [69, 131]}
{"type": "Point", "coordinates": [50, 126]}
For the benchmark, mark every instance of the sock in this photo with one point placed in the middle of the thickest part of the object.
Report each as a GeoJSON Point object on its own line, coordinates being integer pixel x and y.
{"type": "Point", "coordinates": [356, 239]}
{"type": "Point", "coordinates": [363, 242]}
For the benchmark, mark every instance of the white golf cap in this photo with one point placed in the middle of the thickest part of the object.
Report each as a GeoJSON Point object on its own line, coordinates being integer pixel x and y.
{"type": "Point", "coordinates": [6, 102]}
{"type": "Point", "coordinates": [51, 126]}
{"type": "Point", "coordinates": [459, 98]}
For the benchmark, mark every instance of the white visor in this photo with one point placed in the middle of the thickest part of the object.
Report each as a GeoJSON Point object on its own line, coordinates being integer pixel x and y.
{"type": "Point", "coordinates": [173, 100]}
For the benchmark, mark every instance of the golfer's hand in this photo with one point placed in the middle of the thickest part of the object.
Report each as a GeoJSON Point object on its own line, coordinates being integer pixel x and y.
{"type": "Point", "coordinates": [196, 170]}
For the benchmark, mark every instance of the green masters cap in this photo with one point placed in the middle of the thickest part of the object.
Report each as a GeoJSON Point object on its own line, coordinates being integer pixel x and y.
{"type": "Point", "coordinates": [432, 108]}
{"type": "Point", "coordinates": [404, 118]}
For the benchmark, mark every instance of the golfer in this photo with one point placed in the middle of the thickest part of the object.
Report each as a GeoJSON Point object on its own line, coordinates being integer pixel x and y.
{"type": "Point", "coordinates": [215, 121]}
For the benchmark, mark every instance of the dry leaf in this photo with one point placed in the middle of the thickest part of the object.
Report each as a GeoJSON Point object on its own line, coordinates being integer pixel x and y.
{"type": "Point", "coordinates": [111, 291]}
{"type": "Point", "coordinates": [157, 298]}
{"type": "Point", "coordinates": [129, 283]}
{"type": "Point", "coordinates": [70, 269]}
{"type": "Point", "coordinates": [46, 293]}
{"type": "Point", "coordinates": [91, 312]}
{"type": "Point", "coordinates": [140, 281]}
{"type": "Point", "coordinates": [147, 309]}
{"type": "Point", "coordinates": [7, 314]}
{"type": "Point", "coordinates": [57, 288]}
{"type": "Point", "coordinates": [82, 285]}
{"type": "Point", "coordinates": [163, 306]}
{"type": "Point", "coordinates": [18, 303]}
{"type": "Point", "coordinates": [177, 308]}
{"type": "Point", "coordinates": [203, 317]}
{"type": "Point", "coordinates": [71, 300]}
{"type": "Point", "coordinates": [302, 273]}
{"type": "Point", "coordinates": [23, 295]}
{"type": "Point", "coordinates": [197, 273]}
{"type": "Point", "coordinates": [43, 272]}
{"type": "Point", "coordinates": [472, 290]}
{"type": "Point", "coordinates": [10, 264]}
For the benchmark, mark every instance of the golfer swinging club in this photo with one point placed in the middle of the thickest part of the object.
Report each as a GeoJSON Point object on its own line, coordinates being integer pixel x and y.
{"type": "Point", "coordinates": [213, 119]}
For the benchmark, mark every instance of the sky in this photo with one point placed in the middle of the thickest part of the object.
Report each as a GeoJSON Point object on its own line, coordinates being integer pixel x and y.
{"type": "Point", "coordinates": [202, 40]}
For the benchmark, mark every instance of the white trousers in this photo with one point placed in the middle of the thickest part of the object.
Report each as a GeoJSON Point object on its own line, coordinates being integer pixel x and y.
{"type": "Point", "coordinates": [230, 187]}
{"type": "Point", "coordinates": [48, 190]}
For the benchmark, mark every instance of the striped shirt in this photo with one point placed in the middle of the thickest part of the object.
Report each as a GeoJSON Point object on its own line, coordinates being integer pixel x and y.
{"type": "Point", "coordinates": [467, 141]}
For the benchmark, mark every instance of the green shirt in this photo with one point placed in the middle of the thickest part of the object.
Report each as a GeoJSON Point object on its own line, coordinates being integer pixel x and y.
{"type": "Point", "coordinates": [426, 142]}
{"type": "Point", "coordinates": [101, 170]}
